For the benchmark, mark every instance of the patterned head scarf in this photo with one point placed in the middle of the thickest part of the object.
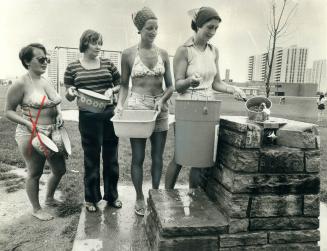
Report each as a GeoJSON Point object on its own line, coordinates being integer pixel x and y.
{"type": "Point", "coordinates": [141, 16]}
{"type": "Point", "coordinates": [204, 14]}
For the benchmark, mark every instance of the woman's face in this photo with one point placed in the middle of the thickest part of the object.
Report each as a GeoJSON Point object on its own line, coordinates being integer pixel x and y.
{"type": "Point", "coordinates": [150, 30]}
{"type": "Point", "coordinates": [94, 48]}
{"type": "Point", "coordinates": [39, 62]}
{"type": "Point", "coordinates": [208, 30]}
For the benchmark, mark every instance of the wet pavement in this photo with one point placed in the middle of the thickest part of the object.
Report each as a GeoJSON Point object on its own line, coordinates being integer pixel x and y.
{"type": "Point", "coordinates": [113, 229]}
{"type": "Point", "coordinates": [121, 229]}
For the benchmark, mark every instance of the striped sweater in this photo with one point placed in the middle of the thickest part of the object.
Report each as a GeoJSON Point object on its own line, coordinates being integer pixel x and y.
{"type": "Point", "coordinates": [97, 80]}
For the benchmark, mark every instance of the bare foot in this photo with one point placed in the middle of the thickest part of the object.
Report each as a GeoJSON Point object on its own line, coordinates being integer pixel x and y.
{"type": "Point", "coordinates": [53, 202]}
{"type": "Point", "coordinates": [139, 208]}
{"type": "Point", "coordinates": [42, 215]}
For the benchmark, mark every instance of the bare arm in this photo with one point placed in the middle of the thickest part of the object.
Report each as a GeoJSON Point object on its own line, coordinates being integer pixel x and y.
{"type": "Point", "coordinates": [14, 98]}
{"type": "Point", "coordinates": [180, 67]}
{"type": "Point", "coordinates": [167, 76]}
{"type": "Point", "coordinates": [125, 75]}
{"type": "Point", "coordinates": [221, 86]}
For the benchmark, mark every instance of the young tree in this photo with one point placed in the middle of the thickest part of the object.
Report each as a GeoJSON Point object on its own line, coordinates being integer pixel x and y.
{"type": "Point", "coordinates": [277, 27]}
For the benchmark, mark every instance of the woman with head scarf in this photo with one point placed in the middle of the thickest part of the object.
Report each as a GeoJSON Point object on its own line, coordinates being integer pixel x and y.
{"type": "Point", "coordinates": [147, 66]}
{"type": "Point", "coordinates": [196, 70]}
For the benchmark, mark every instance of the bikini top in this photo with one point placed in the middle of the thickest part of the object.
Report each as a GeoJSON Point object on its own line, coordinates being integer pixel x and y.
{"type": "Point", "coordinates": [36, 100]}
{"type": "Point", "coordinates": [140, 70]}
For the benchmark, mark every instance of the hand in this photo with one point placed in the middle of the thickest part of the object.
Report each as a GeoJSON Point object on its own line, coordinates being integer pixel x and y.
{"type": "Point", "coordinates": [158, 105]}
{"type": "Point", "coordinates": [195, 80]}
{"type": "Point", "coordinates": [71, 91]}
{"type": "Point", "coordinates": [238, 93]}
{"type": "Point", "coordinates": [59, 120]}
{"type": "Point", "coordinates": [109, 93]}
{"type": "Point", "coordinates": [118, 110]}
{"type": "Point", "coordinates": [29, 127]}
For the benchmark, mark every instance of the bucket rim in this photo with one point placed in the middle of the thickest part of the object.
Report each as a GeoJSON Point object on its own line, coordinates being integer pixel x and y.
{"type": "Point", "coordinates": [266, 99]}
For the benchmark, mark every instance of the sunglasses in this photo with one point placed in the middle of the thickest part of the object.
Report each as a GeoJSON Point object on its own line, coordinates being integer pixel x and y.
{"type": "Point", "coordinates": [43, 60]}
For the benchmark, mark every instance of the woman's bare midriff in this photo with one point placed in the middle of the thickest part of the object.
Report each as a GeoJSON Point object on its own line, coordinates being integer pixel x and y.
{"type": "Point", "coordinates": [47, 115]}
{"type": "Point", "coordinates": [147, 86]}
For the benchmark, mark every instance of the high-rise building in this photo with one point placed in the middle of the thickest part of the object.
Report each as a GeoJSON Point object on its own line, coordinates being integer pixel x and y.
{"type": "Point", "coordinates": [293, 66]}
{"type": "Point", "coordinates": [288, 65]}
{"type": "Point", "coordinates": [308, 78]}
{"type": "Point", "coordinates": [257, 67]}
{"type": "Point", "coordinates": [319, 74]}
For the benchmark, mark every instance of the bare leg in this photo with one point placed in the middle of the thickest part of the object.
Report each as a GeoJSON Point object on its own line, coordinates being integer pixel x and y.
{"type": "Point", "coordinates": [138, 154]}
{"type": "Point", "coordinates": [35, 164]}
{"type": "Point", "coordinates": [58, 169]}
{"type": "Point", "coordinates": [172, 174]}
{"type": "Point", "coordinates": [195, 177]}
{"type": "Point", "coordinates": [158, 141]}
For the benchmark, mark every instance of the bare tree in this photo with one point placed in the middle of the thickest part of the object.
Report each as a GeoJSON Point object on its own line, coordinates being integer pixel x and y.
{"type": "Point", "coordinates": [277, 27]}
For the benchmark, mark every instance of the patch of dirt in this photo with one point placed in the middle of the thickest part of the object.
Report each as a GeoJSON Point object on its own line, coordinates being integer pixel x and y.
{"type": "Point", "coordinates": [19, 230]}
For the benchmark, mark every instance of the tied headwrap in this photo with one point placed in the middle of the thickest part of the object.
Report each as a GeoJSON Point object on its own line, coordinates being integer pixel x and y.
{"type": "Point", "coordinates": [205, 14]}
{"type": "Point", "coordinates": [140, 17]}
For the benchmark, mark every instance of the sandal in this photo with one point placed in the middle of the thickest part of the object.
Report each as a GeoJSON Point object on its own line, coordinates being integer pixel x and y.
{"type": "Point", "coordinates": [116, 204]}
{"type": "Point", "coordinates": [139, 208]}
{"type": "Point", "coordinates": [90, 207]}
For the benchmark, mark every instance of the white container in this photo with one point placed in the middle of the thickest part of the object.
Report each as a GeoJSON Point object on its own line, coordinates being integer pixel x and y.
{"type": "Point", "coordinates": [135, 123]}
{"type": "Point", "coordinates": [44, 145]}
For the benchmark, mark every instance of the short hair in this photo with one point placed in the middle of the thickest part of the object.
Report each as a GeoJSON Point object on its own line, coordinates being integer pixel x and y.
{"type": "Point", "coordinates": [88, 36]}
{"type": "Point", "coordinates": [27, 53]}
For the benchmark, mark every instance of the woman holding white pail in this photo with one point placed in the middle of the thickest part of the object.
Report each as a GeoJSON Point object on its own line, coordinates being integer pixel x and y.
{"type": "Point", "coordinates": [41, 115]}
{"type": "Point", "coordinates": [147, 66]}
{"type": "Point", "coordinates": [196, 74]}
{"type": "Point", "coordinates": [95, 80]}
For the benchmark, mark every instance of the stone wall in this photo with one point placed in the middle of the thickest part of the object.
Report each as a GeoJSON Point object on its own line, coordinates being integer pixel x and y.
{"type": "Point", "coordinates": [269, 193]}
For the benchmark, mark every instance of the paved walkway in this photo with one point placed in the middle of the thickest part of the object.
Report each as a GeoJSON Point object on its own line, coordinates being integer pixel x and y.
{"type": "Point", "coordinates": [113, 229]}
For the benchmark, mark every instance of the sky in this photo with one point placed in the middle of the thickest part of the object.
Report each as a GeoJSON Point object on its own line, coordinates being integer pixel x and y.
{"type": "Point", "coordinates": [242, 33]}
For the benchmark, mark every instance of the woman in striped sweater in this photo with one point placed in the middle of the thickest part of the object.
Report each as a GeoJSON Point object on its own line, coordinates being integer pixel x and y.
{"type": "Point", "coordinates": [101, 76]}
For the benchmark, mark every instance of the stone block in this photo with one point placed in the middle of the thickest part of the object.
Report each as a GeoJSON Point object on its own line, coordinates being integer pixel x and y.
{"type": "Point", "coordinates": [276, 247]}
{"type": "Point", "coordinates": [312, 161]}
{"type": "Point", "coordinates": [276, 159]}
{"type": "Point", "coordinates": [238, 159]}
{"type": "Point", "coordinates": [242, 239]}
{"type": "Point", "coordinates": [191, 243]}
{"type": "Point", "coordinates": [237, 123]}
{"type": "Point", "coordinates": [311, 205]}
{"type": "Point", "coordinates": [238, 131]}
{"type": "Point", "coordinates": [279, 184]}
{"type": "Point", "coordinates": [293, 236]}
{"type": "Point", "coordinates": [283, 223]}
{"type": "Point", "coordinates": [238, 225]}
{"type": "Point", "coordinates": [182, 212]}
{"type": "Point", "coordinates": [299, 135]}
{"type": "Point", "coordinates": [233, 205]}
{"type": "Point", "coordinates": [269, 206]}
{"type": "Point", "coordinates": [250, 139]}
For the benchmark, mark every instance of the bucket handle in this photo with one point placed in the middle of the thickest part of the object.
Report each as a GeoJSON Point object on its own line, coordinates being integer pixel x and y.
{"type": "Point", "coordinates": [215, 146]}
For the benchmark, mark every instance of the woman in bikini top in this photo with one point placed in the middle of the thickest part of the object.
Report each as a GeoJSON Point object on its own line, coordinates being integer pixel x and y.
{"type": "Point", "coordinates": [38, 100]}
{"type": "Point", "coordinates": [147, 66]}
